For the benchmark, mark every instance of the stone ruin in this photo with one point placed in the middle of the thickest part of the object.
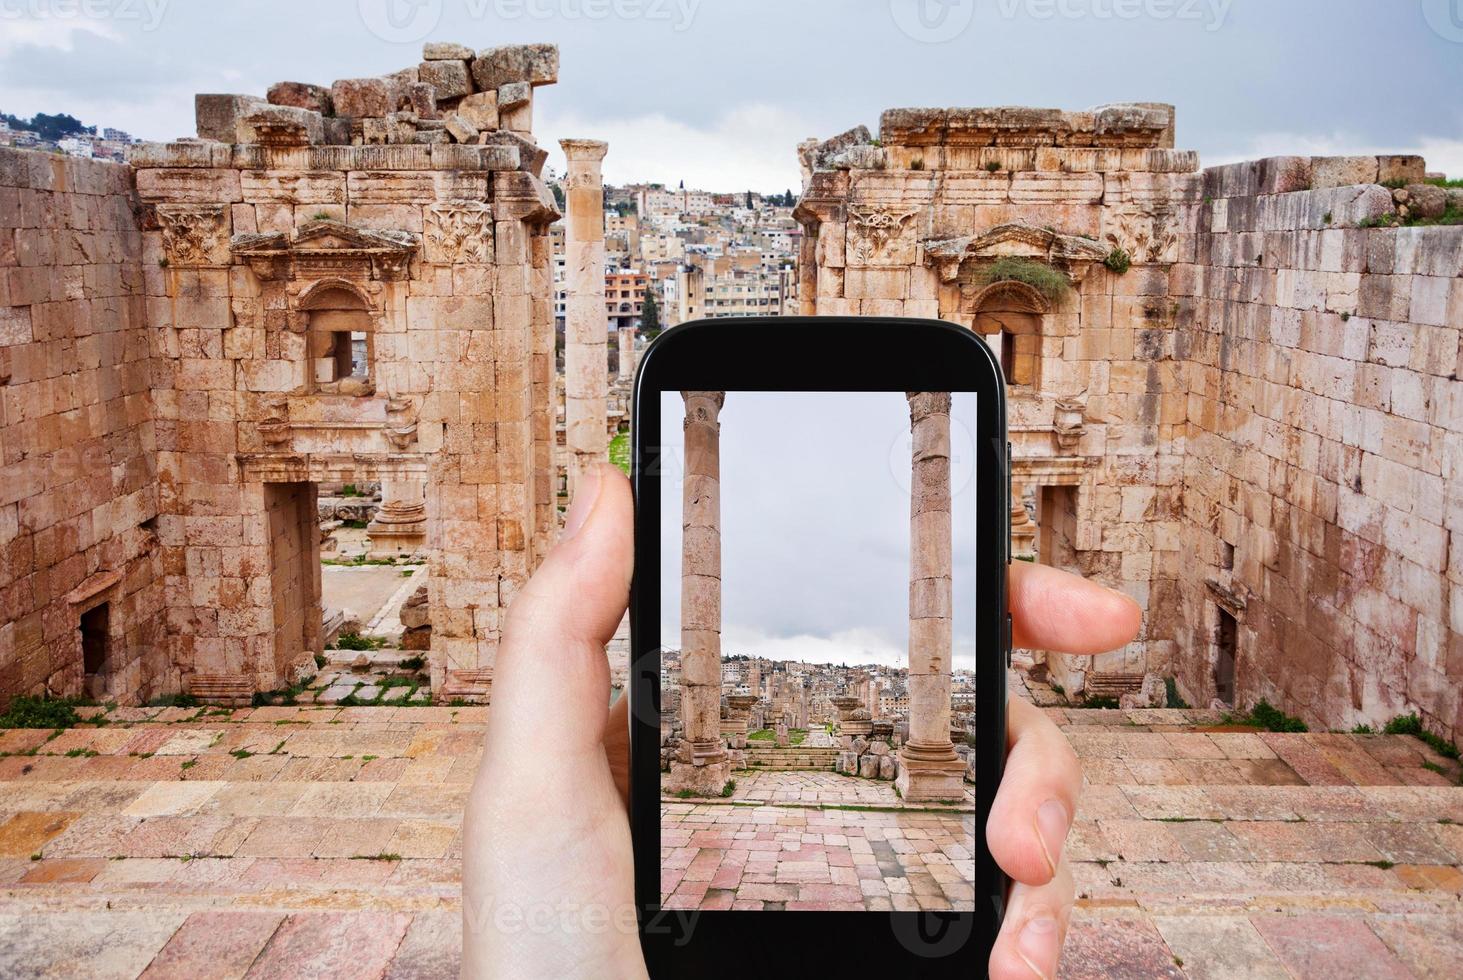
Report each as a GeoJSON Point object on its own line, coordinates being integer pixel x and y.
{"type": "Point", "coordinates": [1234, 393]}
{"type": "Point", "coordinates": [181, 353]}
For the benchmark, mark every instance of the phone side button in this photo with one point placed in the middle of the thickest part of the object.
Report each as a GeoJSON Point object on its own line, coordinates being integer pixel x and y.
{"type": "Point", "coordinates": [1010, 634]}
{"type": "Point", "coordinates": [1009, 479]}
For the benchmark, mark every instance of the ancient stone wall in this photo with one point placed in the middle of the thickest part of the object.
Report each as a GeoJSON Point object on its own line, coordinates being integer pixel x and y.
{"type": "Point", "coordinates": [342, 284]}
{"type": "Point", "coordinates": [79, 497]}
{"type": "Point", "coordinates": [1323, 478]}
{"type": "Point", "coordinates": [921, 223]}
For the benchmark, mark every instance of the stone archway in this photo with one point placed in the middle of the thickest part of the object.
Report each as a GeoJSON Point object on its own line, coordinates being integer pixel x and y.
{"type": "Point", "coordinates": [1008, 315]}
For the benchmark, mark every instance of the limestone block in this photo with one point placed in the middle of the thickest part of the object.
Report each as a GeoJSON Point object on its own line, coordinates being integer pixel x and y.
{"type": "Point", "coordinates": [480, 110]}
{"type": "Point", "coordinates": [513, 96]}
{"type": "Point", "coordinates": [267, 122]}
{"type": "Point", "coordinates": [868, 766]}
{"type": "Point", "coordinates": [1407, 169]}
{"type": "Point", "coordinates": [363, 97]}
{"type": "Point", "coordinates": [448, 79]}
{"type": "Point", "coordinates": [301, 95]}
{"type": "Point", "coordinates": [190, 186]}
{"type": "Point", "coordinates": [194, 154]}
{"type": "Point", "coordinates": [847, 763]}
{"type": "Point", "coordinates": [1342, 171]}
{"type": "Point", "coordinates": [912, 127]}
{"type": "Point", "coordinates": [292, 187]}
{"type": "Point", "coordinates": [887, 767]}
{"type": "Point", "coordinates": [879, 748]}
{"type": "Point", "coordinates": [447, 51]}
{"type": "Point", "coordinates": [218, 116]}
{"type": "Point", "coordinates": [423, 100]}
{"type": "Point", "coordinates": [460, 129]}
{"type": "Point", "coordinates": [536, 64]}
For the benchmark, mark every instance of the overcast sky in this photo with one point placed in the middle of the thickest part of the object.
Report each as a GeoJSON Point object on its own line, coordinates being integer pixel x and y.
{"type": "Point", "coordinates": [718, 92]}
{"type": "Point", "coordinates": [815, 525]}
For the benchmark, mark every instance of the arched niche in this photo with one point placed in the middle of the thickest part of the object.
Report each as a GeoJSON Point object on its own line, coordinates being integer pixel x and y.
{"type": "Point", "coordinates": [341, 326]}
{"type": "Point", "coordinates": [1009, 316]}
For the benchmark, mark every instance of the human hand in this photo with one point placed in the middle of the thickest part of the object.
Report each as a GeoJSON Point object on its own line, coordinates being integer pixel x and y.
{"type": "Point", "coordinates": [548, 885]}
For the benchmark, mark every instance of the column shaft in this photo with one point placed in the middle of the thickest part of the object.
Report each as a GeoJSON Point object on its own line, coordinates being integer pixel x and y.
{"type": "Point", "coordinates": [929, 766]}
{"type": "Point", "coordinates": [702, 765]}
{"type": "Point", "coordinates": [586, 325]}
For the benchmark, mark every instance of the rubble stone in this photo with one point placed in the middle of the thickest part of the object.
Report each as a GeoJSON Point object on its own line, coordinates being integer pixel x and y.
{"type": "Point", "coordinates": [301, 95]}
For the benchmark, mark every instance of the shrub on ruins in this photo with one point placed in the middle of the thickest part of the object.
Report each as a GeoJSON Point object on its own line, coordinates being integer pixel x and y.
{"type": "Point", "coordinates": [1038, 275]}
{"type": "Point", "coordinates": [1272, 719]}
{"type": "Point", "coordinates": [28, 711]}
{"type": "Point", "coordinates": [1412, 725]}
{"type": "Point", "coordinates": [1118, 261]}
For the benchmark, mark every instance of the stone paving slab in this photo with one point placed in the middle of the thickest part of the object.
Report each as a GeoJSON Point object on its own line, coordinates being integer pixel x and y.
{"type": "Point", "coordinates": [293, 839]}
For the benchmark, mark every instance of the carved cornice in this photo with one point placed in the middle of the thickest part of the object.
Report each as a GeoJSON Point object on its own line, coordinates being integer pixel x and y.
{"type": "Point", "coordinates": [328, 248]}
{"type": "Point", "coordinates": [1072, 254]}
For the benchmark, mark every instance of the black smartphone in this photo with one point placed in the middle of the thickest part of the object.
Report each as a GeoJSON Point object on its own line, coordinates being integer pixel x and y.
{"type": "Point", "coordinates": [819, 645]}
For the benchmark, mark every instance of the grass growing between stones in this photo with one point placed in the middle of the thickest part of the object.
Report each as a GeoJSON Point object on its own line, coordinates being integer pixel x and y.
{"type": "Point", "coordinates": [1267, 716]}
{"type": "Point", "coordinates": [1038, 275]}
{"type": "Point", "coordinates": [1412, 725]}
{"type": "Point", "coordinates": [28, 711]}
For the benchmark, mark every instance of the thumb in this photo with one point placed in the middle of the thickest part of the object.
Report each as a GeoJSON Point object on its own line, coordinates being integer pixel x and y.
{"type": "Point", "coordinates": [551, 674]}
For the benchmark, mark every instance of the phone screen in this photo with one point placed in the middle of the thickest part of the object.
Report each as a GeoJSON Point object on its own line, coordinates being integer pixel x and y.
{"type": "Point", "coordinates": [818, 650]}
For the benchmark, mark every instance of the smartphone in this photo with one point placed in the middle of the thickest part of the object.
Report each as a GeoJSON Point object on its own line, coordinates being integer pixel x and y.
{"type": "Point", "coordinates": [819, 646]}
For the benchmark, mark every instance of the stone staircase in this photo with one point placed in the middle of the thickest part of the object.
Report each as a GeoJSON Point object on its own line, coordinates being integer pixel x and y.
{"type": "Point", "coordinates": [793, 757]}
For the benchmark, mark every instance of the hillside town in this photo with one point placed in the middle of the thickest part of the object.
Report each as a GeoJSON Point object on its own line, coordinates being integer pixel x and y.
{"type": "Point", "coordinates": [65, 134]}
{"type": "Point", "coordinates": [677, 254]}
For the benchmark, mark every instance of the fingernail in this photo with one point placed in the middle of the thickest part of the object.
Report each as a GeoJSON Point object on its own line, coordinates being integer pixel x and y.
{"type": "Point", "coordinates": [1052, 825]}
{"type": "Point", "coordinates": [586, 492]}
{"type": "Point", "coordinates": [1037, 943]}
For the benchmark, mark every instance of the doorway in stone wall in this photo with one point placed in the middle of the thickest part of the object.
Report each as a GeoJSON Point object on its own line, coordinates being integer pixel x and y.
{"type": "Point", "coordinates": [1226, 637]}
{"type": "Point", "coordinates": [96, 648]}
{"type": "Point", "coordinates": [294, 572]}
{"type": "Point", "coordinates": [1056, 526]}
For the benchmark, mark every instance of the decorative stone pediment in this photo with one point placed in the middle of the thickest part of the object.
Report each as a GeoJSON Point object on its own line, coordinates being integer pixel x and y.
{"type": "Point", "coordinates": [1072, 254]}
{"type": "Point", "coordinates": [328, 248]}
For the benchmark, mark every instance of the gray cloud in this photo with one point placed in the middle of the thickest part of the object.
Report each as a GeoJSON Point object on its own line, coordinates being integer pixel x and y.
{"type": "Point", "coordinates": [815, 525]}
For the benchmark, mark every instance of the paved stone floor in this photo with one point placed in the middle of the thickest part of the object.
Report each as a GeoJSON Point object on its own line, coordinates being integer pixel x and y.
{"type": "Point", "coordinates": [371, 594]}
{"type": "Point", "coordinates": [324, 842]}
{"type": "Point", "coordinates": [720, 856]}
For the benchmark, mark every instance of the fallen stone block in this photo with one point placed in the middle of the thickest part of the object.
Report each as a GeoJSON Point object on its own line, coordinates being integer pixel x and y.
{"type": "Point", "coordinates": [301, 95]}
{"type": "Point", "coordinates": [362, 97]}
{"type": "Point", "coordinates": [536, 64]}
{"type": "Point", "coordinates": [447, 51]}
{"type": "Point", "coordinates": [218, 116]}
{"type": "Point", "coordinates": [448, 79]}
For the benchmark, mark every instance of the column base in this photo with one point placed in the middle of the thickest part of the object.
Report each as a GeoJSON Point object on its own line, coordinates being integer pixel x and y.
{"type": "Point", "coordinates": [925, 779]}
{"type": "Point", "coordinates": [707, 780]}
{"type": "Point", "coordinates": [396, 540]}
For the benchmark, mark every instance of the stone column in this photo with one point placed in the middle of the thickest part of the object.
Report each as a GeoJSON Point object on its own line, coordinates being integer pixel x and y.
{"type": "Point", "coordinates": [1023, 528]}
{"type": "Point", "coordinates": [626, 370]}
{"type": "Point", "coordinates": [702, 766]}
{"type": "Point", "coordinates": [400, 524]}
{"type": "Point", "coordinates": [739, 713]}
{"type": "Point", "coordinates": [586, 327]}
{"type": "Point", "coordinates": [929, 769]}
